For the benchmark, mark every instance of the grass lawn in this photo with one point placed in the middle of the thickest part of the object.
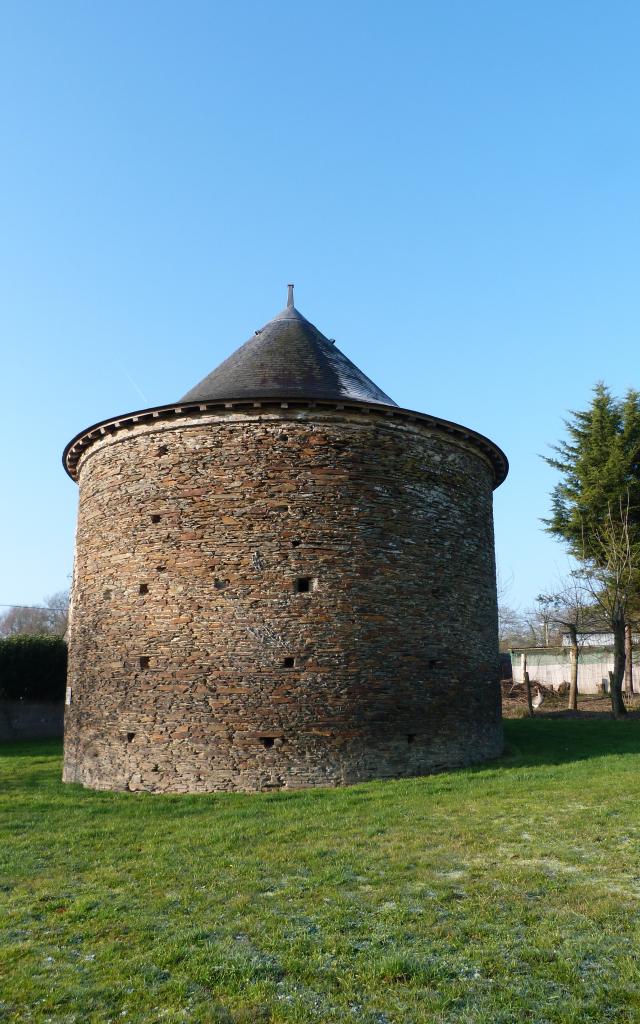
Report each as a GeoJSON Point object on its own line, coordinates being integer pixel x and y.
{"type": "Point", "coordinates": [509, 893]}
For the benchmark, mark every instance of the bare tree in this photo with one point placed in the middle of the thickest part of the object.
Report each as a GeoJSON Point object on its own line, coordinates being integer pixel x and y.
{"type": "Point", "coordinates": [511, 628]}
{"type": "Point", "coordinates": [526, 679]}
{"type": "Point", "coordinates": [610, 576]}
{"type": "Point", "coordinates": [509, 618]}
{"type": "Point", "coordinates": [628, 658]}
{"type": "Point", "coordinates": [546, 606]}
{"type": "Point", "coordinates": [538, 625]}
{"type": "Point", "coordinates": [569, 609]}
{"type": "Point", "coordinates": [50, 617]}
{"type": "Point", "coordinates": [58, 612]}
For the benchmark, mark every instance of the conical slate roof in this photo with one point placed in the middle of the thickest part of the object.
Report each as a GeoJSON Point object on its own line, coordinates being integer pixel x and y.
{"type": "Point", "coordinates": [288, 358]}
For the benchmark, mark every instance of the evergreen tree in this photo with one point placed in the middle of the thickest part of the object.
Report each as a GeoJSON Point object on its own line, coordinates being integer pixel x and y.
{"type": "Point", "coordinates": [600, 464]}
{"type": "Point", "coordinates": [596, 509]}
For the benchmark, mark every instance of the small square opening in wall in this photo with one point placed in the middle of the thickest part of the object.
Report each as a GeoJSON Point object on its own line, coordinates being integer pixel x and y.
{"type": "Point", "coordinates": [143, 588]}
{"type": "Point", "coordinates": [144, 662]}
{"type": "Point", "coordinates": [162, 450]}
{"type": "Point", "coordinates": [411, 737]}
{"type": "Point", "coordinates": [304, 584]}
{"type": "Point", "coordinates": [267, 741]}
{"type": "Point", "coordinates": [289, 663]}
{"type": "Point", "coordinates": [155, 518]}
{"type": "Point", "coordinates": [131, 737]}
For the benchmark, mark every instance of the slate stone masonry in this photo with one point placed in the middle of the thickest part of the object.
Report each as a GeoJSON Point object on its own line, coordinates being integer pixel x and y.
{"type": "Point", "coordinates": [280, 597]}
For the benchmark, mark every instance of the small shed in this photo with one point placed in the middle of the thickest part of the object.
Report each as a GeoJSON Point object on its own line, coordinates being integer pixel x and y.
{"type": "Point", "coordinates": [551, 666]}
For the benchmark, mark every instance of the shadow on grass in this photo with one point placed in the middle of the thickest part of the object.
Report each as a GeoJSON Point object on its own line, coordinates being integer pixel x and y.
{"type": "Point", "coordinates": [31, 748]}
{"type": "Point", "coordinates": [545, 740]}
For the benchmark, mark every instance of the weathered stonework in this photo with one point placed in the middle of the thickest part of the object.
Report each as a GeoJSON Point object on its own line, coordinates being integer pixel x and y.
{"type": "Point", "coordinates": [278, 597]}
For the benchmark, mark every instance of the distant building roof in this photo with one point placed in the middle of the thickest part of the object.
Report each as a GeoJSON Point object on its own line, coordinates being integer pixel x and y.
{"type": "Point", "coordinates": [590, 638]}
{"type": "Point", "coordinates": [288, 358]}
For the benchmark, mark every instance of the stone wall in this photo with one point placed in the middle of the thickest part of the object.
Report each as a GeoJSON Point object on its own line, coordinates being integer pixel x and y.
{"type": "Point", "coordinates": [30, 720]}
{"type": "Point", "coordinates": [281, 599]}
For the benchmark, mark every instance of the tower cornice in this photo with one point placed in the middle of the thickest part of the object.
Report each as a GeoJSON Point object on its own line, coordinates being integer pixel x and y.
{"type": "Point", "coordinates": [84, 440]}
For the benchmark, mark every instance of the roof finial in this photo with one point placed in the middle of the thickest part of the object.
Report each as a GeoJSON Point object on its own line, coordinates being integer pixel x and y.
{"type": "Point", "coordinates": [290, 297]}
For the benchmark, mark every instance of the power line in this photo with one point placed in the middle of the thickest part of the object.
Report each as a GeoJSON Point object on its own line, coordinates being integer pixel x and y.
{"type": "Point", "coordinates": [32, 607]}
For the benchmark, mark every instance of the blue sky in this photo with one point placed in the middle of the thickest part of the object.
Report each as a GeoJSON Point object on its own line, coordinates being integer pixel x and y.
{"type": "Point", "coordinates": [453, 187]}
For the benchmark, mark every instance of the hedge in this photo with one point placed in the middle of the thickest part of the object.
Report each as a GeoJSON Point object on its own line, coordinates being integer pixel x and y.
{"type": "Point", "coordinates": [33, 668]}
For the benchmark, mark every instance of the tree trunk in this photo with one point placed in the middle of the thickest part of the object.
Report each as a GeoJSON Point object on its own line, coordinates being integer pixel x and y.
{"type": "Point", "coordinates": [617, 704]}
{"type": "Point", "coordinates": [628, 665]}
{"type": "Point", "coordinates": [527, 683]}
{"type": "Point", "coordinates": [573, 681]}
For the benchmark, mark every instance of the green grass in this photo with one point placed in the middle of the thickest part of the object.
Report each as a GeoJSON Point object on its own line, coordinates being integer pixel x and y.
{"type": "Point", "coordinates": [509, 893]}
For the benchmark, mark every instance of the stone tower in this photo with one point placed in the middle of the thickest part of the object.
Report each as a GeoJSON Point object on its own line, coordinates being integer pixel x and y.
{"type": "Point", "coordinates": [281, 580]}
